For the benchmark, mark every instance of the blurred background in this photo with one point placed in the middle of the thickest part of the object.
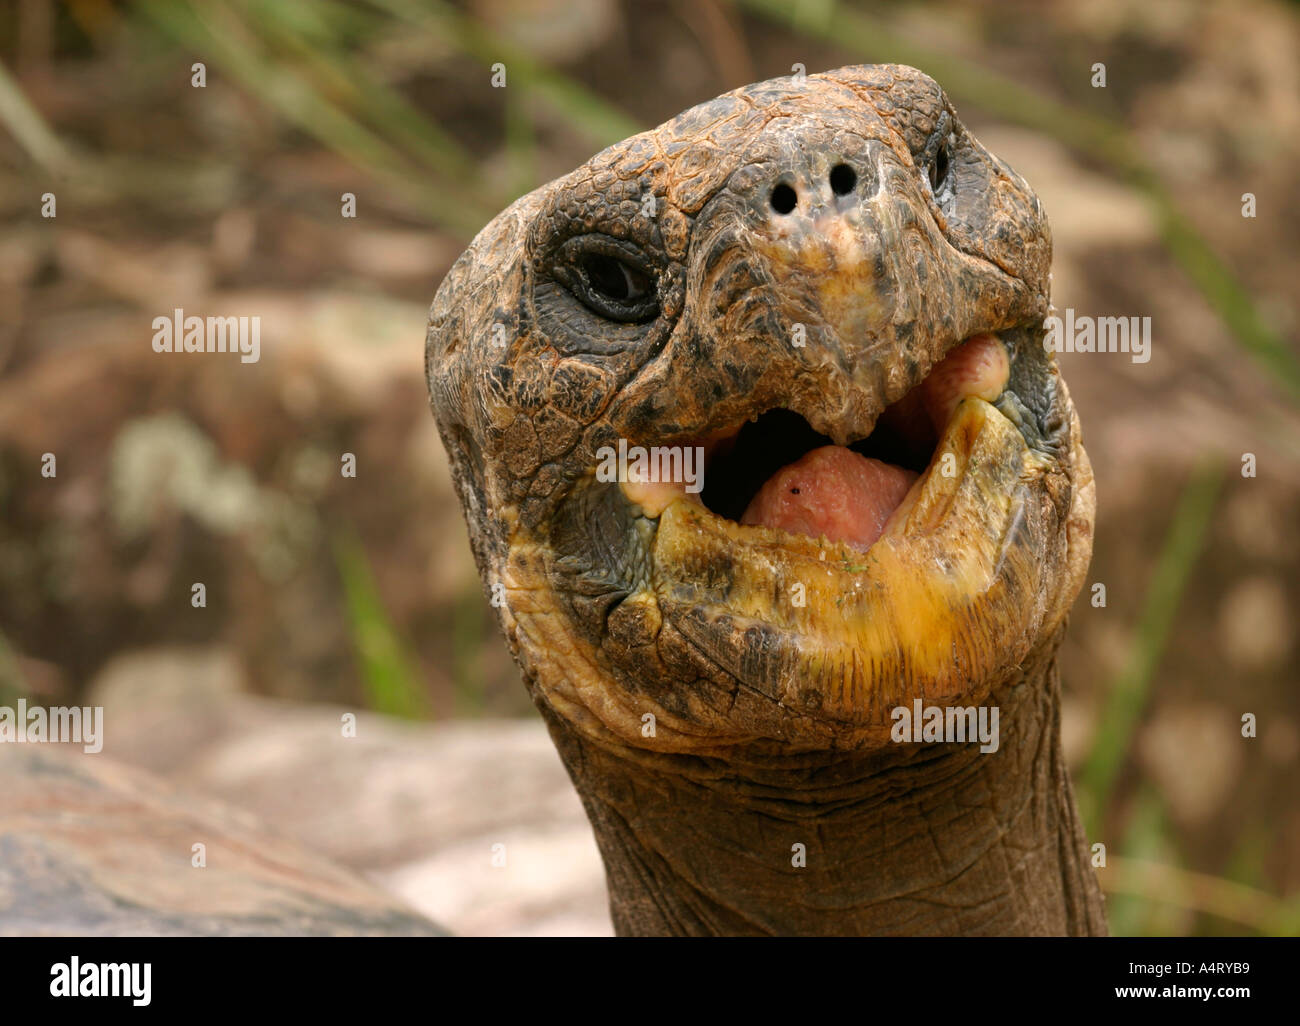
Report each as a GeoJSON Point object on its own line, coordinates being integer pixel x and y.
{"type": "Point", "coordinates": [324, 593]}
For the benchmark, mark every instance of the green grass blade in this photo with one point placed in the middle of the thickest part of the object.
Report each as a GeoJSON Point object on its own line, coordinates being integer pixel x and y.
{"type": "Point", "coordinates": [311, 40]}
{"type": "Point", "coordinates": [600, 121]}
{"type": "Point", "coordinates": [387, 670]}
{"type": "Point", "coordinates": [292, 95]}
{"type": "Point", "coordinates": [1127, 695]}
{"type": "Point", "coordinates": [28, 127]}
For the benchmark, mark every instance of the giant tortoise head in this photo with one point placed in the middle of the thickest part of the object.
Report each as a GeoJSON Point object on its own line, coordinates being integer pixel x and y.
{"type": "Point", "coordinates": [828, 297]}
{"type": "Point", "coordinates": [790, 267]}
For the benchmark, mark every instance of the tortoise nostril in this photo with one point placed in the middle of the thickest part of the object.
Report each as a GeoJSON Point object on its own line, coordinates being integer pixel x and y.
{"type": "Point", "coordinates": [783, 199]}
{"type": "Point", "coordinates": [843, 179]}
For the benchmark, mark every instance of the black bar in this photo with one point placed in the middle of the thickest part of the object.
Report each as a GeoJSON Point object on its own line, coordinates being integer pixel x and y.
{"type": "Point", "coordinates": [817, 979]}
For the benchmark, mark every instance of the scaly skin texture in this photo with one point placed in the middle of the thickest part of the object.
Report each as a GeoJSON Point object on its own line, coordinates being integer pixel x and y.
{"type": "Point", "coordinates": [722, 694]}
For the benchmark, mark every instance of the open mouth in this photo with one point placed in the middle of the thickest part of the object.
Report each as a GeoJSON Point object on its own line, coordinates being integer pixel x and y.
{"type": "Point", "coordinates": [777, 472]}
{"type": "Point", "coordinates": [866, 567]}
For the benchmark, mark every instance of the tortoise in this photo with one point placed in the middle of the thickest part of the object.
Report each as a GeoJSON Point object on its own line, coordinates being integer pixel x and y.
{"type": "Point", "coordinates": [765, 679]}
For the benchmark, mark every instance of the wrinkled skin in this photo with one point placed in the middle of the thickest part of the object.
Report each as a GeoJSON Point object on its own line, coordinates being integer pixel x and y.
{"type": "Point", "coordinates": [771, 718]}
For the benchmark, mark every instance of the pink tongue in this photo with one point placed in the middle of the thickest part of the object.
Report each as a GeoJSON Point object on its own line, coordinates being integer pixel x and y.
{"type": "Point", "coordinates": [831, 491]}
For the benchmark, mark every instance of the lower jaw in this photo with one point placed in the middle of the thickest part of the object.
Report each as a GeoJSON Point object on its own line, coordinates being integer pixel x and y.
{"type": "Point", "coordinates": [950, 594]}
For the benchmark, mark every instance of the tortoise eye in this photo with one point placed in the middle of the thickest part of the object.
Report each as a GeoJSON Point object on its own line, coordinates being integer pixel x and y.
{"type": "Point", "coordinates": [613, 278]}
{"type": "Point", "coordinates": [935, 157]}
{"type": "Point", "coordinates": [610, 277]}
{"type": "Point", "coordinates": [939, 167]}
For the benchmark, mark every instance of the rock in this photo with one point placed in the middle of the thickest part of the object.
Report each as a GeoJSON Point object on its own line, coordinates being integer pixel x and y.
{"type": "Point", "coordinates": [415, 807]}
{"type": "Point", "coordinates": [92, 848]}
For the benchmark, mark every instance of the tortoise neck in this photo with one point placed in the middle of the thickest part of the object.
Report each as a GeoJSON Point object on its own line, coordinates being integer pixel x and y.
{"type": "Point", "coordinates": [937, 839]}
